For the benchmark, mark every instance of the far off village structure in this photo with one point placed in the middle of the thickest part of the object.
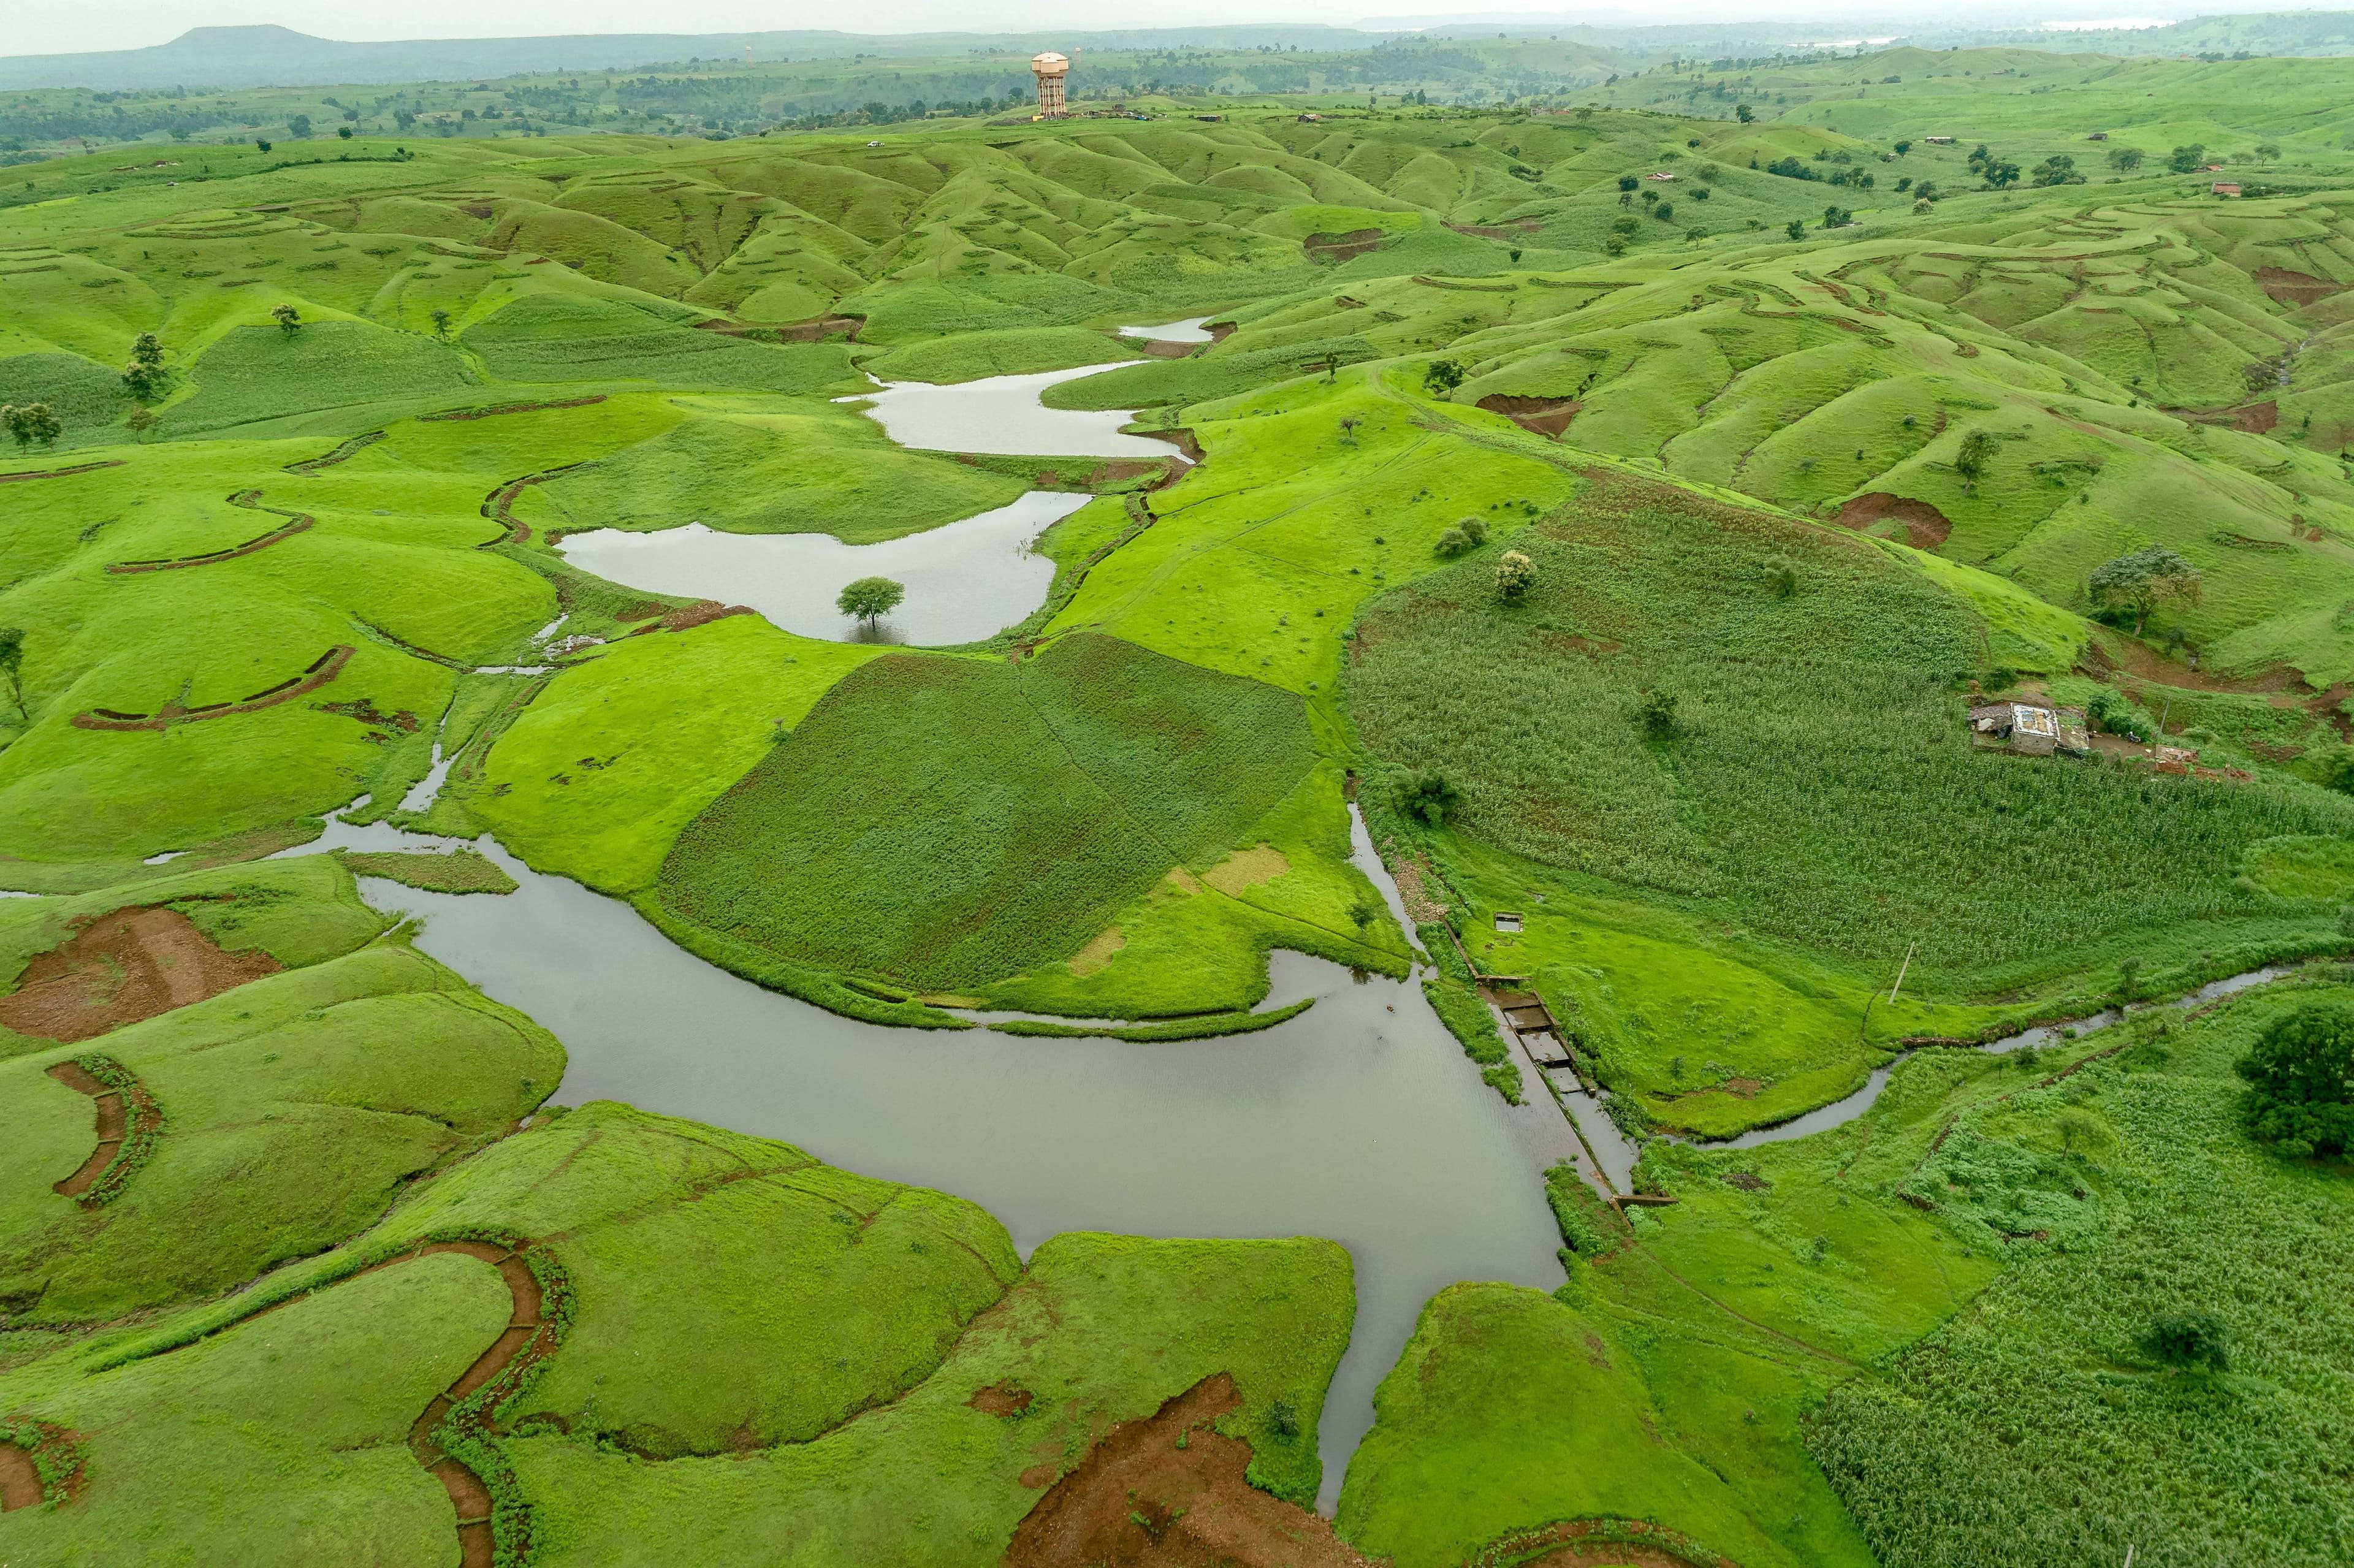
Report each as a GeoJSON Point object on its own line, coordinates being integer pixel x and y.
{"type": "Point", "coordinates": [2033, 729]}
{"type": "Point", "coordinates": [1050, 68]}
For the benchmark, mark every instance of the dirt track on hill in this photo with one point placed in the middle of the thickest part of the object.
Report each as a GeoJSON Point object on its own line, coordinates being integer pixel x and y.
{"type": "Point", "coordinates": [1168, 1491]}
{"type": "Point", "coordinates": [1926, 527]}
{"type": "Point", "coordinates": [120, 968]}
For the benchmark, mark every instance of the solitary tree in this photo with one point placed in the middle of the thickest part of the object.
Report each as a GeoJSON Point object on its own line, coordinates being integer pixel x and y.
{"type": "Point", "coordinates": [1970, 461]}
{"type": "Point", "coordinates": [1515, 574]}
{"type": "Point", "coordinates": [1430, 795]}
{"type": "Point", "coordinates": [440, 322]}
{"type": "Point", "coordinates": [32, 424]}
{"type": "Point", "coordinates": [289, 319]}
{"type": "Point", "coordinates": [2185, 160]}
{"type": "Point", "coordinates": [1795, 228]}
{"type": "Point", "coordinates": [12, 666]}
{"type": "Point", "coordinates": [2192, 1339]}
{"type": "Point", "coordinates": [1462, 538]}
{"type": "Point", "coordinates": [2300, 1077]}
{"type": "Point", "coordinates": [870, 598]}
{"type": "Point", "coordinates": [144, 376]}
{"type": "Point", "coordinates": [1441, 377]}
{"type": "Point", "coordinates": [1656, 713]}
{"type": "Point", "coordinates": [2143, 580]}
{"type": "Point", "coordinates": [1744, 113]}
{"type": "Point", "coordinates": [2126, 160]}
{"type": "Point", "coordinates": [298, 126]}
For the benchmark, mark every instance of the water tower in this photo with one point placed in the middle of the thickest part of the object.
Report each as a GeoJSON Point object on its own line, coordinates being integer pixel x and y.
{"type": "Point", "coordinates": [1050, 68]}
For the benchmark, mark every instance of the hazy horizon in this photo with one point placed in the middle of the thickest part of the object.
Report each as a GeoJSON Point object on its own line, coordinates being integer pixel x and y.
{"type": "Point", "coordinates": [108, 25]}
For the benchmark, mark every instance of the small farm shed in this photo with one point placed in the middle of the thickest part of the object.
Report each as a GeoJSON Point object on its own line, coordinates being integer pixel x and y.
{"type": "Point", "coordinates": [1662, 174]}
{"type": "Point", "coordinates": [1939, 141]}
{"type": "Point", "coordinates": [1311, 118]}
{"type": "Point", "coordinates": [2033, 729]}
{"type": "Point", "coordinates": [2225, 187]}
{"type": "Point", "coordinates": [2097, 136]}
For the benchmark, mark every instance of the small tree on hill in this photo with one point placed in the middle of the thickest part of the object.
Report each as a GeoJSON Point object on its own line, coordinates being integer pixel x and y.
{"type": "Point", "coordinates": [289, 319]}
{"type": "Point", "coordinates": [1442, 376]}
{"type": "Point", "coordinates": [2143, 580]}
{"type": "Point", "coordinates": [144, 376]}
{"type": "Point", "coordinates": [1462, 538]}
{"type": "Point", "coordinates": [870, 598]}
{"type": "Point", "coordinates": [298, 126]}
{"type": "Point", "coordinates": [2126, 160]}
{"type": "Point", "coordinates": [2300, 1077]}
{"type": "Point", "coordinates": [1795, 228]}
{"type": "Point", "coordinates": [1744, 113]}
{"type": "Point", "coordinates": [2188, 160]}
{"type": "Point", "coordinates": [440, 322]}
{"type": "Point", "coordinates": [1970, 461]}
{"type": "Point", "coordinates": [12, 667]}
{"type": "Point", "coordinates": [32, 424]}
{"type": "Point", "coordinates": [1515, 574]}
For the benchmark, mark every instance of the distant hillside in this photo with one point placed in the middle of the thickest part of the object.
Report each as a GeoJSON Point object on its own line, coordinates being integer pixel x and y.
{"type": "Point", "coordinates": [280, 56]}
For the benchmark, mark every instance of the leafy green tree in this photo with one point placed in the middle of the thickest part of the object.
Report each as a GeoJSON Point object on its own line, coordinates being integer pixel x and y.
{"type": "Point", "coordinates": [298, 127]}
{"type": "Point", "coordinates": [2059, 169]}
{"type": "Point", "coordinates": [289, 319]}
{"type": "Point", "coordinates": [1657, 715]}
{"type": "Point", "coordinates": [1665, 212]}
{"type": "Point", "coordinates": [2126, 160]}
{"type": "Point", "coordinates": [1795, 228]}
{"type": "Point", "coordinates": [344, 131]}
{"type": "Point", "coordinates": [32, 424]}
{"type": "Point", "coordinates": [1970, 461]}
{"type": "Point", "coordinates": [260, 144]}
{"type": "Point", "coordinates": [2191, 1339]}
{"type": "Point", "coordinates": [144, 376]}
{"type": "Point", "coordinates": [1744, 113]}
{"type": "Point", "coordinates": [2300, 1077]}
{"type": "Point", "coordinates": [2144, 580]}
{"type": "Point", "coordinates": [1837, 217]}
{"type": "Point", "coordinates": [1430, 796]}
{"type": "Point", "coordinates": [2188, 160]}
{"type": "Point", "coordinates": [1902, 148]}
{"type": "Point", "coordinates": [1462, 538]}
{"type": "Point", "coordinates": [12, 667]}
{"type": "Point", "coordinates": [2267, 151]}
{"type": "Point", "coordinates": [440, 322]}
{"type": "Point", "coordinates": [1441, 377]}
{"type": "Point", "coordinates": [870, 598]}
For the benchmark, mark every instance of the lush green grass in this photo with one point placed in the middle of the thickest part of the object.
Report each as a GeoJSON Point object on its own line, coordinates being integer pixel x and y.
{"type": "Point", "coordinates": [547, 337]}
{"type": "Point", "coordinates": [1099, 1329]}
{"type": "Point", "coordinates": [798, 468]}
{"type": "Point", "coordinates": [1007, 813]}
{"type": "Point", "coordinates": [260, 372]}
{"type": "Point", "coordinates": [1817, 782]}
{"type": "Point", "coordinates": [2035, 1426]}
{"type": "Point", "coordinates": [458, 870]}
{"type": "Point", "coordinates": [295, 1107]}
{"type": "Point", "coordinates": [1510, 1409]}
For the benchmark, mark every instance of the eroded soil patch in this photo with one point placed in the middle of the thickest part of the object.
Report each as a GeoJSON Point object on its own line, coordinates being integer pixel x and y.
{"type": "Point", "coordinates": [323, 669]}
{"type": "Point", "coordinates": [1334, 248]}
{"type": "Point", "coordinates": [1926, 527]}
{"type": "Point", "coordinates": [1602, 1543]}
{"type": "Point", "coordinates": [1538, 416]}
{"type": "Point", "coordinates": [120, 968]}
{"type": "Point", "coordinates": [128, 1120]}
{"type": "Point", "coordinates": [1168, 1491]}
{"type": "Point", "coordinates": [296, 522]}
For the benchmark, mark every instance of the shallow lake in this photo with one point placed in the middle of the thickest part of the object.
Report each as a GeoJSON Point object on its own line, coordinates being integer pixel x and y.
{"type": "Point", "coordinates": [1193, 329]}
{"type": "Point", "coordinates": [1361, 1119]}
{"type": "Point", "coordinates": [1002, 414]}
{"type": "Point", "coordinates": [965, 580]}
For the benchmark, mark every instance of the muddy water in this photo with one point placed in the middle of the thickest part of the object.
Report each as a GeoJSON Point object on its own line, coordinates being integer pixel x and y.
{"type": "Point", "coordinates": [1002, 414]}
{"type": "Point", "coordinates": [1839, 1112]}
{"type": "Point", "coordinates": [1361, 1119]}
{"type": "Point", "coordinates": [965, 580]}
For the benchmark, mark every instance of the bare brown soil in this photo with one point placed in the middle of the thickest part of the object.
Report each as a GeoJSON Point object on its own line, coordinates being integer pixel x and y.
{"type": "Point", "coordinates": [1140, 1497]}
{"type": "Point", "coordinates": [1161, 348]}
{"type": "Point", "coordinates": [251, 501]}
{"type": "Point", "coordinates": [2256, 418]}
{"type": "Point", "coordinates": [1520, 228]}
{"type": "Point", "coordinates": [323, 669]}
{"type": "Point", "coordinates": [343, 454]}
{"type": "Point", "coordinates": [2289, 288]}
{"type": "Point", "coordinates": [79, 467]}
{"type": "Point", "coordinates": [2105, 655]}
{"type": "Point", "coordinates": [20, 1483]}
{"type": "Point", "coordinates": [1926, 527]}
{"type": "Point", "coordinates": [686, 618]}
{"type": "Point", "coordinates": [818, 330]}
{"type": "Point", "coordinates": [113, 1126]}
{"type": "Point", "coordinates": [1002, 1399]}
{"type": "Point", "coordinates": [120, 968]}
{"type": "Point", "coordinates": [492, 411]}
{"type": "Point", "coordinates": [1538, 416]}
{"type": "Point", "coordinates": [1335, 248]}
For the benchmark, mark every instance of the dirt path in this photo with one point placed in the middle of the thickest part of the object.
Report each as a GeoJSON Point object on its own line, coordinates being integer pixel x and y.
{"type": "Point", "coordinates": [20, 1483]}
{"type": "Point", "coordinates": [127, 1115]}
{"type": "Point", "coordinates": [120, 968]}
{"type": "Point", "coordinates": [343, 454]}
{"type": "Point", "coordinates": [1603, 1544]}
{"type": "Point", "coordinates": [1168, 1491]}
{"type": "Point", "coordinates": [251, 501]}
{"type": "Point", "coordinates": [60, 472]}
{"type": "Point", "coordinates": [323, 669]}
{"type": "Point", "coordinates": [495, 504]}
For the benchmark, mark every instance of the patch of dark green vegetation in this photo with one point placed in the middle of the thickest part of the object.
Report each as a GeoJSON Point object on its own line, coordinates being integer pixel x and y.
{"type": "Point", "coordinates": [1209, 1026]}
{"type": "Point", "coordinates": [1001, 821]}
{"type": "Point", "coordinates": [565, 337]}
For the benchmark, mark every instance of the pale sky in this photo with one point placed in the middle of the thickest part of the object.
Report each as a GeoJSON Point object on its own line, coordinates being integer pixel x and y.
{"type": "Point", "coordinates": [47, 29]}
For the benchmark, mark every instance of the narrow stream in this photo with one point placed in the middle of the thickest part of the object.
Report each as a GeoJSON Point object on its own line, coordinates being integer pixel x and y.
{"type": "Point", "coordinates": [1360, 1120]}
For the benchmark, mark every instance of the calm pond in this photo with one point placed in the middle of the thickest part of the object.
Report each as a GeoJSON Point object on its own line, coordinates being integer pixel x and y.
{"type": "Point", "coordinates": [1193, 329]}
{"type": "Point", "coordinates": [1361, 1119]}
{"type": "Point", "coordinates": [1002, 414]}
{"type": "Point", "coordinates": [965, 580]}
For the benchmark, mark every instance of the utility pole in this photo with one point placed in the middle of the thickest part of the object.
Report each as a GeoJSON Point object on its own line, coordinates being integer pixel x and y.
{"type": "Point", "coordinates": [1900, 971]}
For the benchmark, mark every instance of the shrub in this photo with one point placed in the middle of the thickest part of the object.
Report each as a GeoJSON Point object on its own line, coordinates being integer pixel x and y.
{"type": "Point", "coordinates": [1430, 795]}
{"type": "Point", "coordinates": [1656, 714]}
{"type": "Point", "coordinates": [1515, 574]}
{"type": "Point", "coordinates": [2190, 1338]}
{"type": "Point", "coordinates": [1461, 539]}
{"type": "Point", "coordinates": [2300, 1077]}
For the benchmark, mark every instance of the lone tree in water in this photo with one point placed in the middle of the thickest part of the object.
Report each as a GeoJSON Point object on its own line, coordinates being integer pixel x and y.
{"type": "Point", "coordinates": [289, 319]}
{"type": "Point", "coordinates": [870, 598]}
{"type": "Point", "coordinates": [2142, 581]}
